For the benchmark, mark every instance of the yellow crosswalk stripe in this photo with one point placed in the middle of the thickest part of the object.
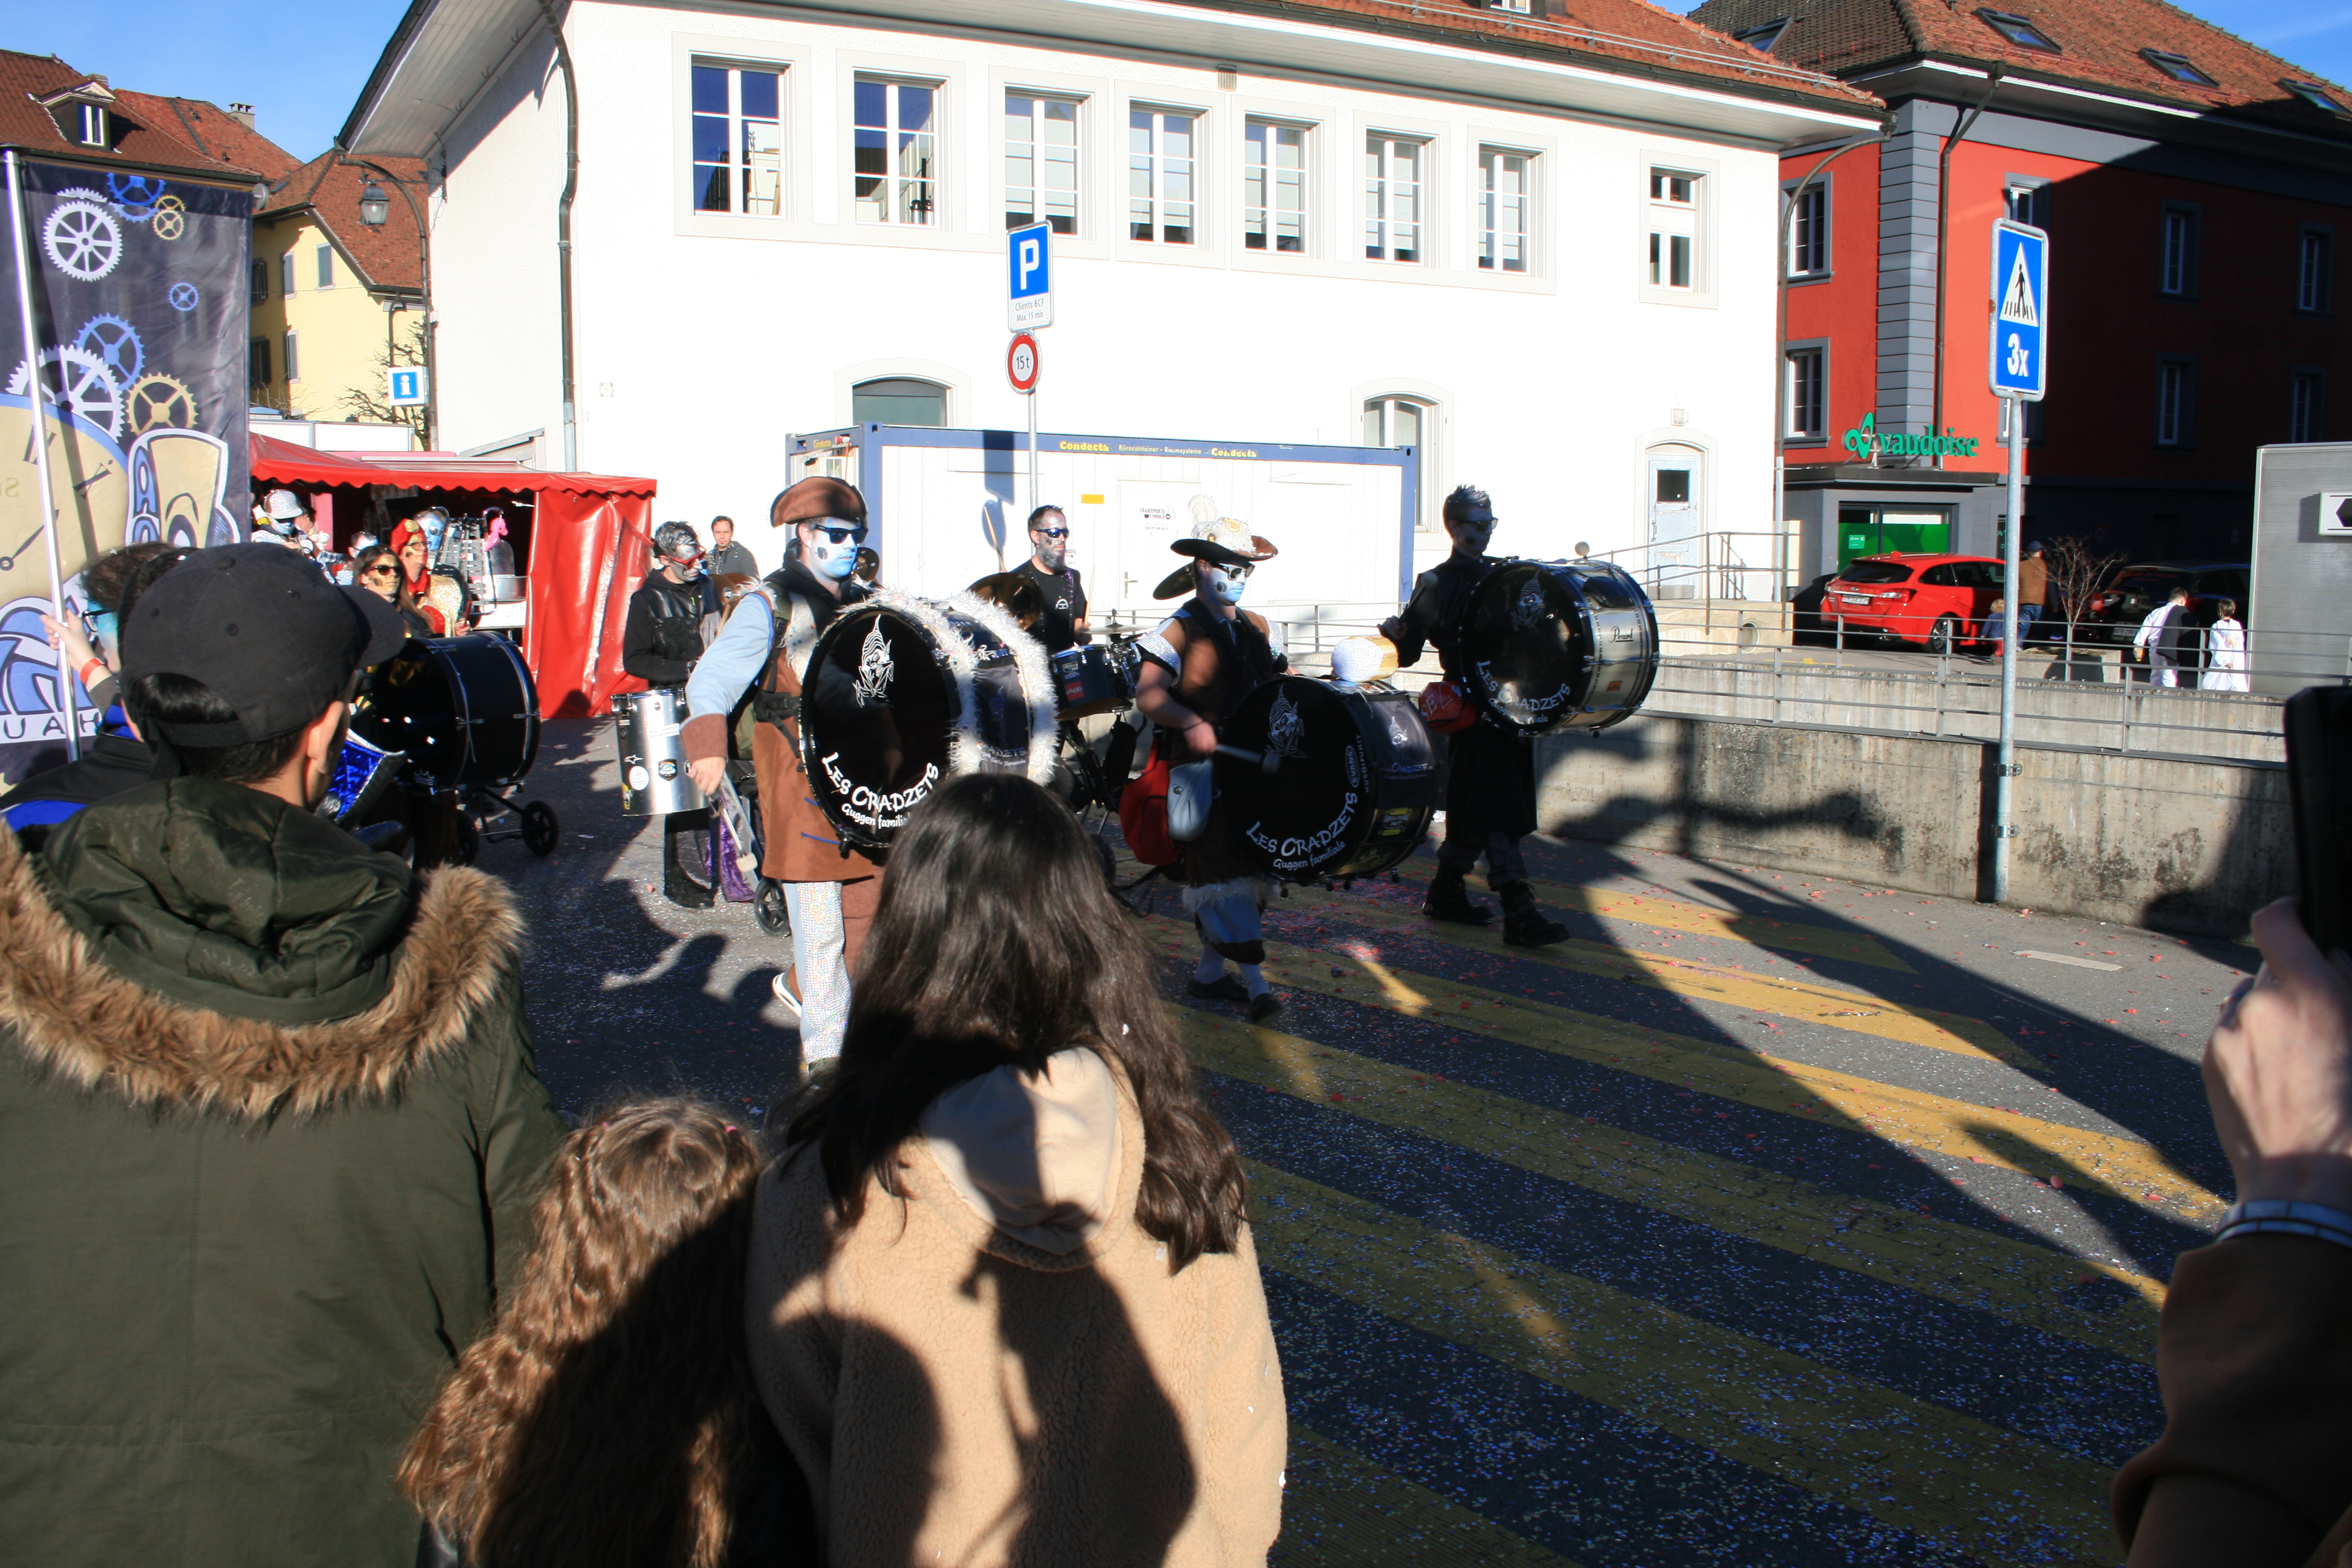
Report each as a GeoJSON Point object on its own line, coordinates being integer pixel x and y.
{"type": "Point", "coordinates": [1807, 1001]}
{"type": "Point", "coordinates": [2120, 1167]}
{"type": "Point", "coordinates": [1938, 1258]}
{"type": "Point", "coordinates": [1756, 930]}
{"type": "Point", "coordinates": [1340, 1509]}
{"type": "Point", "coordinates": [1917, 1466]}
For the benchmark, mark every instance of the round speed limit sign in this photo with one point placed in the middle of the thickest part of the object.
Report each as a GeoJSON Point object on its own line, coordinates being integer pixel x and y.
{"type": "Point", "coordinates": [1021, 363]}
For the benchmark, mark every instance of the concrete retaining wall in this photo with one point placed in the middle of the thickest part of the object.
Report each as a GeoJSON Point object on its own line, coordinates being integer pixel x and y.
{"type": "Point", "coordinates": [2182, 845]}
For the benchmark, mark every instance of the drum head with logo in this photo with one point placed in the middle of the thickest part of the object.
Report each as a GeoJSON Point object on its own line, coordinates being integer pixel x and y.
{"type": "Point", "coordinates": [1353, 787]}
{"type": "Point", "coordinates": [1552, 645]}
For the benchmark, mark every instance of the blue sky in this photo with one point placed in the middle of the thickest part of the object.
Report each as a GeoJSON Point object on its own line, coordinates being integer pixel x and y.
{"type": "Point", "coordinates": [302, 77]}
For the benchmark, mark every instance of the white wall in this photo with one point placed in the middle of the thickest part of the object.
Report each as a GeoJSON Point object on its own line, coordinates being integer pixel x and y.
{"type": "Point", "coordinates": [705, 343]}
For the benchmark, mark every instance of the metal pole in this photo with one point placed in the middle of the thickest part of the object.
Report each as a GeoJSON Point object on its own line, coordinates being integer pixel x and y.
{"type": "Point", "coordinates": [2001, 830]}
{"type": "Point", "coordinates": [1035, 500]}
{"type": "Point", "coordinates": [41, 447]}
{"type": "Point", "coordinates": [564, 238]}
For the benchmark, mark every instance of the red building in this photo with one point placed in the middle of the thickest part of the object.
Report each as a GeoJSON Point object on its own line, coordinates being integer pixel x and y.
{"type": "Point", "coordinates": [2196, 189]}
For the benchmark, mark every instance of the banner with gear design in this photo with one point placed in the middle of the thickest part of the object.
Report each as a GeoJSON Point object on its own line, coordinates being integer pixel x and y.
{"type": "Point", "coordinates": [140, 306]}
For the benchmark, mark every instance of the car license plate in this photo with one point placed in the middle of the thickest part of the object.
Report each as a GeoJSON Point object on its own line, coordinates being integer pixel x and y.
{"type": "Point", "coordinates": [1853, 599]}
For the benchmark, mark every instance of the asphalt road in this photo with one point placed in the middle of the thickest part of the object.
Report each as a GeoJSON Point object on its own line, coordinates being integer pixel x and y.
{"type": "Point", "coordinates": [1768, 1220]}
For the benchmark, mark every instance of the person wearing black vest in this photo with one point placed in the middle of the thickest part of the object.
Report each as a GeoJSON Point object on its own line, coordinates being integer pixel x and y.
{"type": "Point", "coordinates": [1064, 621]}
{"type": "Point", "coordinates": [1490, 784]}
{"type": "Point", "coordinates": [659, 646]}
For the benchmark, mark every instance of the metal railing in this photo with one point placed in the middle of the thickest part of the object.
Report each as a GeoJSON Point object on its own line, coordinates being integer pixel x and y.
{"type": "Point", "coordinates": [1718, 566]}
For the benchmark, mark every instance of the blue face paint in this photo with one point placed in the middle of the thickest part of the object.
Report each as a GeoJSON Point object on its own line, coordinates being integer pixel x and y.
{"type": "Point", "coordinates": [1228, 586]}
{"type": "Point", "coordinates": [832, 552]}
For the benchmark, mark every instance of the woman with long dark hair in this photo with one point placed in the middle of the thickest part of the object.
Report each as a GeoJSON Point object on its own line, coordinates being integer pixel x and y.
{"type": "Point", "coordinates": [1004, 1303]}
{"type": "Point", "coordinates": [377, 569]}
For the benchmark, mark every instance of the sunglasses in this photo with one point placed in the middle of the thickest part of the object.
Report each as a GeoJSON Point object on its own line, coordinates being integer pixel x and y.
{"type": "Point", "coordinates": [1236, 571]}
{"type": "Point", "coordinates": [98, 625]}
{"type": "Point", "coordinates": [1052, 532]}
{"type": "Point", "coordinates": [841, 535]}
{"type": "Point", "coordinates": [380, 570]}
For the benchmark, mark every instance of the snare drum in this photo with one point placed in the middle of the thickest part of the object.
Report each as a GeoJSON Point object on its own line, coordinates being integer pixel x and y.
{"type": "Point", "coordinates": [1353, 787]}
{"type": "Point", "coordinates": [654, 781]}
{"type": "Point", "coordinates": [1557, 646]}
{"type": "Point", "coordinates": [463, 708]}
{"type": "Point", "coordinates": [1087, 681]}
{"type": "Point", "coordinates": [362, 772]}
{"type": "Point", "coordinates": [902, 692]}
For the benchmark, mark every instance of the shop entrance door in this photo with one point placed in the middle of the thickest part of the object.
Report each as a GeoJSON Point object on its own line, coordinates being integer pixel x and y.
{"type": "Point", "coordinates": [1865, 530]}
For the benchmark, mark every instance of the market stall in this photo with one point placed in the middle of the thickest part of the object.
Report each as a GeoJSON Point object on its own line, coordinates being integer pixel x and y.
{"type": "Point", "coordinates": [581, 543]}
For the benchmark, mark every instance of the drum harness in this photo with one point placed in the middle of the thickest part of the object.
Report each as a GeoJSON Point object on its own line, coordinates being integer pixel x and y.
{"type": "Point", "coordinates": [795, 634]}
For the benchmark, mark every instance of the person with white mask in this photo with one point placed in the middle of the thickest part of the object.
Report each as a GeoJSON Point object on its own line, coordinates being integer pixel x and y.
{"type": "Point", "coordinates": [1197, 667]}
{"type": "Point", "coordinates": [831, 888]}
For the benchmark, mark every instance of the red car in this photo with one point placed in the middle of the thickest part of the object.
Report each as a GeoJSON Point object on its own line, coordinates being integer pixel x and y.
{"type": "Point", "coordinates": [1935, 600]}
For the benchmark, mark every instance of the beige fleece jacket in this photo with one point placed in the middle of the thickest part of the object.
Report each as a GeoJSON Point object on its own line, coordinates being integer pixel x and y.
{"type": "Point", "coordinates": [1002, 1371]}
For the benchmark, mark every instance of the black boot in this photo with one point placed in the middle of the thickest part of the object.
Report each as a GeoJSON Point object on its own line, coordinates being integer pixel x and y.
{"type": "Point", "coordinates": [1523, 924]}
{"type": "Point", "coordinates": [1449, 900]}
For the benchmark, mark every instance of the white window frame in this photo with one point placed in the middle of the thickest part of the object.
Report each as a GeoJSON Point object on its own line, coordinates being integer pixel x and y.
{"type": "Point", "coordinates": [1816, 352]}
{"type": "Point", "coordinates": [92, 130]}
{"type": "Point", "coordinates": [1385, 193]}
{"type": "Point", "coordinates": [1664, 217]}
{"type": "Point", "coordinates": [1824, 239]}
{"type": "Point", "coordinates": [1153, 166]}
{"type": "Point", "coordinates": [1428, 415]}
{"type": "Point", "coordinates": [1493, 205]}
{"type": "Point", "coordinates": [324, 260]}
{"type": "Point", "coordinates": [1265, 177]}
{"type": "Point", "coordinates": [2315, 284]}
{"type": "Point", "coordinates": [2178, 241]}
{"type": "Point", "coordinates": [1077, 160]}
{"type": "Point", "coordinates": [2307, 404]}
{"type": "Point", "coordinates": [291, 358]}
{"type": "Point", "coordinates": [2175, 402]}
{"type": "Point", "coordinates": [896, 179]}
{"type": "Point", "coordinates": [739, 152]}
{"type": "Point", "coordinates": [286, 273]}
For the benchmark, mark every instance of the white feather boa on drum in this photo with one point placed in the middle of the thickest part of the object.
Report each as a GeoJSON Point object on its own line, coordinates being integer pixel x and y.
{"type": "Point", "coordinates": [1029, 660]}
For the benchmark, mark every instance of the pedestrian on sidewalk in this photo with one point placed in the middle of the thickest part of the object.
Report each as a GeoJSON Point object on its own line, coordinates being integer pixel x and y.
{"type": "Point", "coordinates": [2225, 652]}
{"type": "Point", "coordinates": [608, 1419]}
{"type": "Point", "coordinates": [1004, 1303]}
{"type": "Point", "coordinates": [2163, 639]}
{"type": "Point", "coordinates": [728, 558]}
{"type": "Point", "coordinates": [2032, 592]}
{"type": "Point", "coordinates": [269, 1129]}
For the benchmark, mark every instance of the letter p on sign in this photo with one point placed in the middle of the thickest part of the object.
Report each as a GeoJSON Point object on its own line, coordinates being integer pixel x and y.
{"type": "Point", "coordinates": [1029, 276]}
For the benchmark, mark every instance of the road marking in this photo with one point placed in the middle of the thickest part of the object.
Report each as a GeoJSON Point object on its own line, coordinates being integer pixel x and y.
{"type": "Point", "coordinates": [2121, 1167]}
{"type": "Point", "coordinates": [2069, 959]}
{"type": "Point", "coordinates": [1756, 930]}
{"type": "Point", "coordinates": [1350, 1510]}
{"type": "Point", "coordinates": [1808, 1002]}
{"type": "Point", "coordinates": [1913, 1465]}
{"type": "Point", "coordinates": [1943, 1260]}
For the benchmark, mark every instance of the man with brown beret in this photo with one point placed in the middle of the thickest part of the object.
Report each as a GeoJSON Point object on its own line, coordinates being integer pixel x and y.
{"type": "Point", "coordinates": [830, 888]}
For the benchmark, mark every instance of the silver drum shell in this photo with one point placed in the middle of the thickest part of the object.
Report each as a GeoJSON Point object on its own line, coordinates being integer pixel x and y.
{"type": "Point", "coordinates": [645, 731]}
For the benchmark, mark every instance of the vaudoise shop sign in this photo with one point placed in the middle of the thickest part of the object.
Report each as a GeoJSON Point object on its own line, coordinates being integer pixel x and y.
{"type": "Point", "coordinates": [1870, 442]}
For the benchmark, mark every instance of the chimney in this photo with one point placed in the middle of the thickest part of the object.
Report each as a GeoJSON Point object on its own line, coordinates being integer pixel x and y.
{"type": "Point", "coordinates": [242, 113]}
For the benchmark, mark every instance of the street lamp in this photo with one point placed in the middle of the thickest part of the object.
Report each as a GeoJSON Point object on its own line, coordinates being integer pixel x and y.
{"type": "Point", "coordinates": [374, 206]}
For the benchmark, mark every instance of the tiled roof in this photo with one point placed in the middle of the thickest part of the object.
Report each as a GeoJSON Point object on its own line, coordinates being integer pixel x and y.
{"type": "Point", "coordinates": [1610, 35]}
{"type": "Point", "coordinates": [329, 193]}
{"type": "Point", "coordinates": [180, 135]}
{"type": "Point", "coordinates": [2099, 44]}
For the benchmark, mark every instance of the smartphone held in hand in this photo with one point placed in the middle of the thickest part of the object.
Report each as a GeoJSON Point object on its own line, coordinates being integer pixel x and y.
{"type": "Point", "coordinates": [2319, 785]}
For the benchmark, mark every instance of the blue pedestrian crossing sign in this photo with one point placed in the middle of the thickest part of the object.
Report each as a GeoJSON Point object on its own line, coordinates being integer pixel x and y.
{"type": "Point", "coordinates": [407, 387]}
{"type": "Point", "coordinates": [1029, 276]}
{"type": "Point", "coordinates": [2021, 310]}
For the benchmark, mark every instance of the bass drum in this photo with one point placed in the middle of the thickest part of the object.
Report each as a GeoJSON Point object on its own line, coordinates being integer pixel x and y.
{"type": "Point", "coordinates": [901, 693]}
{"type": "Point", "coordinates": [1353, 785]}
{"type": "Point", "coordinates": [463, 708]}
{"type": "Point", "coordinates": [1558, 645]}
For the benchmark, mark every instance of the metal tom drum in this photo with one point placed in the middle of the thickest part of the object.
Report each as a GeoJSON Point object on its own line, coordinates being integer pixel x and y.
{"type": "Point", "coordinates": [901, 693]}
{"type": "Point", "coordinates": [1087, 680]}
{"type": "Point", "coordinates": [1558, 646]}
{"type": "Point", "coordinates": [463, 708]}
{"type": "Point", "coordinates": [1353, 780]}
{"type": "Point", "coordinates": [654, 781]}
{"type": "Point", "coordinates": [362, 772]}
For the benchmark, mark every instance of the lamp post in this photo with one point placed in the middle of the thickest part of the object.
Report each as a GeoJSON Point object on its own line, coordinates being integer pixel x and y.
{"type": "Point", "coordinates": [375, 210]}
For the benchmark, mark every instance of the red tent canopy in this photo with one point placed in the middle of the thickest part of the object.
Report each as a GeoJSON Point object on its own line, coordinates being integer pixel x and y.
{"type": "Point", "coordinates": [590, 538]}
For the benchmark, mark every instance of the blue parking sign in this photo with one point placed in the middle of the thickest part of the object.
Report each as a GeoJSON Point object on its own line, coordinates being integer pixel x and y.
{"type": "Point", "coordinates": [1029, 276]}
{"type": "Point", "coordinates": [2021, 310]}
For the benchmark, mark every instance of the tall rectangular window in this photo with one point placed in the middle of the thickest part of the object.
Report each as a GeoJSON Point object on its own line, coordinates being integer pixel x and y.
{"type": "Point", "coordinates": [2307, 406]}
{"type": "Point", "coordinates": [2175, 402]}
{"type": "Point", "coordinates": [1273, 187]}
{"type": "Point", "coordinates": [897, 152]}
{"type": "Point", "coordinates": [1041, 161]}
{"type": "Point", "coordinates": [2027, 203]}
{"type": "Point", "coordinates": [2177, 251]}
{"type": "Point", "coordinates": [257, 363]}
{"type": "Point", "coordinates": [1808, 394]}
{"type": "Point", "coordinates": [286, 273]}
{"type": "Point", "coordinates": [2315, 269]}
{"type": "Point", "coordinates": [1505, 209]}
{"type": "Point", "coordinates": [1809, 233]}
{"type": "Point", "coordinates": [738, 140]}
{"type": "Point", "coordinates": [293, 365]}
{"type": "Point", "coordinates": [1402, 422]}
{"type": "Point", "coordinates": [1393, 169]}
{"type": "Point", "coordinates": [260, 282]}
{"type": "Point", "coordinates": [326, 260]}
{"type": "Point", "coordinates": [1163, 149]}
{"type": "Point", "coordinates": [1674, 229]}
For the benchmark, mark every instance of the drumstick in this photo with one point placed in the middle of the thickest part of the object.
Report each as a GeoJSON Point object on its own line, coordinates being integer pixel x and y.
{"type": "Point", "coordinates": [739, 823]}
{"type": "Point", "coordinates": [1269, 760]}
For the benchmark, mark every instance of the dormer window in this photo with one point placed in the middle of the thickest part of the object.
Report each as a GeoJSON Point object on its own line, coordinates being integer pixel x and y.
{"type": "Point", "coordinates": [89, 125]}
{"type": "Point", "coordinates": [2177, 67]}
{"type": "Point", "coordinates": [2313, 94]}
{"type": "Point", "coordinates": [2018, 31]}
{"type": "Point", "coordinates": [1761, 40]}
{"type": "Point", "coordinates": [82, 112]}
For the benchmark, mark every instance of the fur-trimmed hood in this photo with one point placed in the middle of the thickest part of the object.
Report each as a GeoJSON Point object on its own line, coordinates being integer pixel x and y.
{"type": "Point", "coordinates": [200, 946]}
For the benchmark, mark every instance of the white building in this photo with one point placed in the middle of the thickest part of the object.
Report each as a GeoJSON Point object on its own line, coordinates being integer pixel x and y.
{"type": "Point", "coordinates": [1540, 252]}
